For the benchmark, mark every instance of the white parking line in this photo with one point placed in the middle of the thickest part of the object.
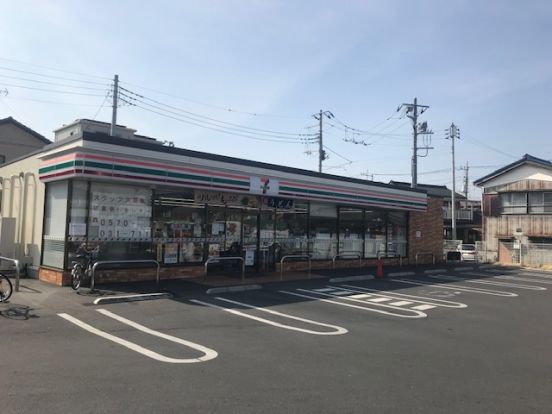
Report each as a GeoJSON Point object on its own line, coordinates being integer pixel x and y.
{"type": "Point", "coordinates": [534, 274]}
{"type": "Point", "coordinates": [488, 282]}
{"type": "Point", "coordinates": [377, 300]}
{"type": "Point", "coordinates": [530, 279]}
{"type": "Point", "coordinates": [325, 290]}
{"type": "Point", "coordinates": [459, 288]}
{"type": "Point", "coordinates": [209, 353]}
{"type": "Point", "coordinates": [520, 277]}
{"type": "Point", "coordinates": [338, 330]}
{"type": "Point", "coordinates": [401, 303]}
{"type": "Point", "coordinates": [416, 314]}
{"type": "Point", "coordinates": [361, 296]}
{"type": "Point", "coordinates": [423, 307]}
{"type": "Point", "coordinates": [419, 299]}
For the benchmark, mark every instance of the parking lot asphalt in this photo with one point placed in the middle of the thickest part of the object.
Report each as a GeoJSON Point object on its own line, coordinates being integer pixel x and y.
{"type": "Point", "coordinates": [464, 340]}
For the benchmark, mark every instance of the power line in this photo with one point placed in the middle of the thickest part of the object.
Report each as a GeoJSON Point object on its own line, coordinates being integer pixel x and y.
{"type": "Point", "coordinates": [477, 142]}
{"type": "Point", "coordinates": [52, 83]}
{"type": "Point", "coordinates": [53, 69]}
{"type": "Point", "coordinates": [50, 90]}
{"type": "Point", "coordinates": [339, 155]}
{"type": "Point", "coordinates": [222, 108]}
{"type": "Point", "coordinates": [176, 118]}
{"type": "Point", "coordinates": [209, 124]}
{"type": "Point", "coordinates": [48, 101]}
{"type": "Point", "coordinates": [194, 116]}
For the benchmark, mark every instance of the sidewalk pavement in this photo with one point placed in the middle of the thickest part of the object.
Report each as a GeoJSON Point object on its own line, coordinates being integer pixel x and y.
{"type": "Point", "coordinates": [35, 293]}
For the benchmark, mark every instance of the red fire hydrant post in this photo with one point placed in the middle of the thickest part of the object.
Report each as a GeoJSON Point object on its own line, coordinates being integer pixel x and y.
{"type": "Point", "coordinates": [379, 269]}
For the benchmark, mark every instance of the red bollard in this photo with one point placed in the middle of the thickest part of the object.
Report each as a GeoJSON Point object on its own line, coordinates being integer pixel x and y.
{"type": "Point", "coordinates": [379, 269]}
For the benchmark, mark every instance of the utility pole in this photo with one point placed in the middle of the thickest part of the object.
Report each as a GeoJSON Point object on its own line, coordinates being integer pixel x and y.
{"type": "Point", "coordinates": [452, 134]}
{"type": "Point", "coordinates": [367, 174]}
{"type": "Point", "coordinates": [321, 153]}
{"type": "Point", "coordinates": [114, 112]}
{"type": "Point", "coordinates": [412, 113]}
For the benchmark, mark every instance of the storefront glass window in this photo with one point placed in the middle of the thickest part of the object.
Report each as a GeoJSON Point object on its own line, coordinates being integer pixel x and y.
{"type": "Point", "coordinates": [120, 221]}
{"type": "Point", "coordinates": [216, 230]}
{"type": "Point", "coordinates": [396, 233]}
{"type": "Point", "coordinates": [350, 231]}
{"type": "Point", "coordinates": [55, 218]}
{"type": "Point", "coordinates": [268, 247]}
{"type": "Point", "coordinates": [78, 219]}
{"type": "Point", "coordinates": [178, 227]}
{"type": "Point", "coordinates": [233, 231]}
{"type": "Point", "coordinates": [323, 231]}
{"type": "Point", "coordinates": [291, 230]}
{"type": "Point", "coordinates": [374, 242]}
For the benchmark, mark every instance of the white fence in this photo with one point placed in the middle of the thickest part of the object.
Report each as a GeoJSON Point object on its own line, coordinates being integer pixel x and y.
{"type": "Point", "coordinates": [460, 214]}
{"type": "Point", "coordinates": [516, 252]}
{"type": "Point", "coordinates": [485, 255]}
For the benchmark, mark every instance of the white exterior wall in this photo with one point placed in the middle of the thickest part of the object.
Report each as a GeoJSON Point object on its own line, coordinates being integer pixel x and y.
{"type": "Point", "coordinates": [27, 240]}
{"type": "Point", "coordinates": [524, 172]}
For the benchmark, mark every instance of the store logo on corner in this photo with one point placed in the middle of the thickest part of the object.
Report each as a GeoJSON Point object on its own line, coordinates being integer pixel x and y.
{"type": "Point", "coordinates": [264, 186]}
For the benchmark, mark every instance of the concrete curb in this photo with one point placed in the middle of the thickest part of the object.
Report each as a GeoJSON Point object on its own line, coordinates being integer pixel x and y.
{"type": "Point", "coordinates": [432, 271]}
{"type": "Point", "coordinates": [463, 268]}
{"type": "Point", "coordinates": [486, 266]}
{"type": "Point", "coordinates": [132, 298]}
{"type": "Point", "coordinates": [399, 274]}
{"type": "Point", "coordinates": [228, 289]}
{"type": "Point", "coordinates": [351, 278]}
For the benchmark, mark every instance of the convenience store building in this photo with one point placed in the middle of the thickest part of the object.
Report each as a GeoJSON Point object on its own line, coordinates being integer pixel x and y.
{"type": "Point", "coordinates": [140, 199]}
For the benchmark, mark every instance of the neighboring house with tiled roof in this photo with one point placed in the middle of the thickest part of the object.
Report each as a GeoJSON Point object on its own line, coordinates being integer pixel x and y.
{"type": "Point", "coordinates": [17, 140]}
{"type": "Point", "coordinates": [517, 207]}
{"type": "Point", "coordinates": [468, 212]}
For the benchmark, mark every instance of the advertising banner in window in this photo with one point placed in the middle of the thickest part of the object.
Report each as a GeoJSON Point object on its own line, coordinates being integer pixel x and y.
{"type": "Point", "coordinates": [120, 213]}
{"type": "Point", "coordinates": [228, 199]}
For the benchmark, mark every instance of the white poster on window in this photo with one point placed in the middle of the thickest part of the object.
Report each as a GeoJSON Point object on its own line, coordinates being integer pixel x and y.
{"type": "Point", "coordinates": [120, 212]}
{"type": "Point", "coordinates": [77, 229]}
{"type": "Point", "coordinates": [250, 257]}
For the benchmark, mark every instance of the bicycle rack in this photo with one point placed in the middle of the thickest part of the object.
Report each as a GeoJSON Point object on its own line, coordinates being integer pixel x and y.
{"type": "Point", "coordinates": [293, 256]}
{"type": "Point", "coordinates": [103, 262]}
{"type": "Point", "coordinates": [217, 259]}
{"type": "Point", "coordinates": [348, 254]}
{"type": "Point", "coordinates": [17, 270]}
{"type": "Point", "coordinates": [425, 254]}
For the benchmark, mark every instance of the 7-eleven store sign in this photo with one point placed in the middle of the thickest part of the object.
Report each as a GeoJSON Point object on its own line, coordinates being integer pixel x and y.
{"type": "Point", "coordinates": [263, 186]}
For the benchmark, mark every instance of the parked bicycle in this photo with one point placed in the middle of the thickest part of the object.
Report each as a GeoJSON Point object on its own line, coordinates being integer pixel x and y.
{"type": "Point", "coordinates": [6, 288]}
{"type": "Point", "coordinates": [82, 266]}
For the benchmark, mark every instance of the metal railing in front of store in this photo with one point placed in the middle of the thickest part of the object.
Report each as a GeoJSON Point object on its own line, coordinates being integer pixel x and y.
{"type": "Point", "coordinates": [344, 255]}
{"type": "Point", "coordinates": [218, 259]}
{"type": "Point", "coordinates": [425, 254]}
{"type": "Point", "coordinates": [17, 270]}
{"type": "Point", "coordinates": [293, 256]}
{"type": "Point", "coordinates": [111, 262]}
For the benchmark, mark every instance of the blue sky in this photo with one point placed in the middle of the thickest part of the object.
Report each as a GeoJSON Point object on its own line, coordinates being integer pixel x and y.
{"type": "Point", "coordinates": [270, 65]}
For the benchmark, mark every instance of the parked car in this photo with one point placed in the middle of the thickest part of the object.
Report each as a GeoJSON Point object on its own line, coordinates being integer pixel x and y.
{"type": "Point", "coordinates": [467, 252]}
